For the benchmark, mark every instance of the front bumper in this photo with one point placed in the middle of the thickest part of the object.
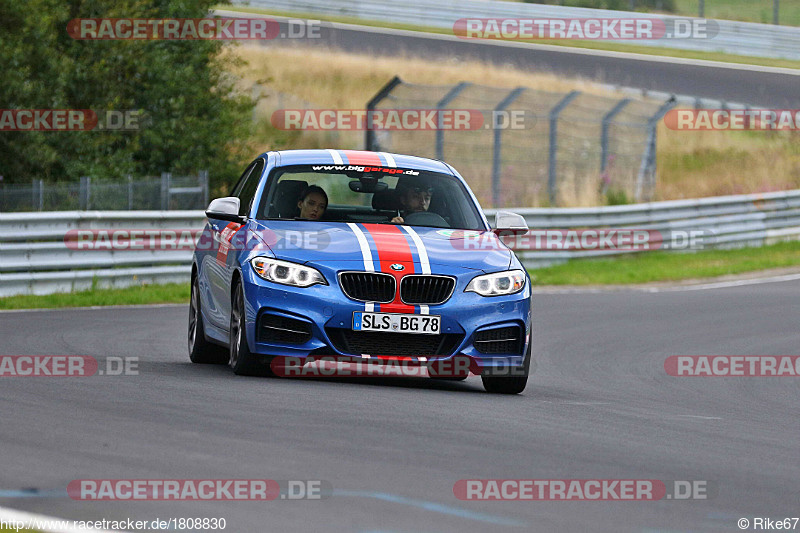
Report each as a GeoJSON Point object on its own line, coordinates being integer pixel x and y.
{"type": "Point", "coordinates": [317, 321]}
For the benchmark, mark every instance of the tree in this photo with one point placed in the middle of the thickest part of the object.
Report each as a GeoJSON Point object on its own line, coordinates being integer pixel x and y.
{"type": "Point", "coordinates": [191, 116]}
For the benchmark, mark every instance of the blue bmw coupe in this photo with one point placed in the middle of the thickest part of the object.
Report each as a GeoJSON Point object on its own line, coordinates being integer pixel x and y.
{"type": "Point", "coordinates": [359, 254]}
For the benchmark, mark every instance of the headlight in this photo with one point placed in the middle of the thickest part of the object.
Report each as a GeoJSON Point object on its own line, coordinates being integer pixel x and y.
{"type": "Point", "coordinates": [286, 273]}
{"type": "Point", "coordinates": [497, 284]}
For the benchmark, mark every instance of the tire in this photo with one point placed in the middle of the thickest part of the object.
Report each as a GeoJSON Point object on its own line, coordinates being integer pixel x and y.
{"type": "Point", "coordinates": [510, 384]}
{"type": "Point", "coordinates": [201, 351]}
{"type": "Point", "coordinates": [242, 361]}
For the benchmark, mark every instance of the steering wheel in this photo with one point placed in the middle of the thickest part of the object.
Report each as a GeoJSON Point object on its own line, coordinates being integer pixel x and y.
{"type": "Point", "coordinates": [426, 218]}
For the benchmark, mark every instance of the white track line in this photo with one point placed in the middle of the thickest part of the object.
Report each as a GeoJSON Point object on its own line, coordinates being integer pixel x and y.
{"type": "Point", "coordinates": [554, 289]}
{"type": "Point", "coordinates": [92, 308]}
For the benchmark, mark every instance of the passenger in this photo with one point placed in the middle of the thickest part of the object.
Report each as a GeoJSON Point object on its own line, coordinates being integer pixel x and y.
{"type": "Point", "coordinates": [313, 202]}
{"type": "Point", "coordinates": [414, 197]}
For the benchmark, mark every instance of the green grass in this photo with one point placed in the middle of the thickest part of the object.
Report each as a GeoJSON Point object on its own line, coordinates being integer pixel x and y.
{"type": "Point", "coordinates": [4, 529]}
{"type": "Point", "coordinates": [626, 269]}
{"type": "Point", "coordinates": [593, 45]}
{"type": "Point", "coordinates": [745, 10]}
{"type": "Point", "coordinates": [668, 266]}
{"type": "Point", "coordinates": [142, 294]}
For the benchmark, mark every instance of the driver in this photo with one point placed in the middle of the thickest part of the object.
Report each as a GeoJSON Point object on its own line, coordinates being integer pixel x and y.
{"type": "Point", "coordinates": [414, 196]}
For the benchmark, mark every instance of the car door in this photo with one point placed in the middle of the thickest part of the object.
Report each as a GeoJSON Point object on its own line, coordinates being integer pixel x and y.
{"type": "Point", "coordinates": [221, 263]}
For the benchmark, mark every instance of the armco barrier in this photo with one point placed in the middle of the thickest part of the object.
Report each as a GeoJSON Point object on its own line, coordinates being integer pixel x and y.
{"type": "Point", "coordinates": [34, 258]}
{"type": "Point", "coordinates": [727, 221]}
{"type": "Point", "coordinates": [741, 38]}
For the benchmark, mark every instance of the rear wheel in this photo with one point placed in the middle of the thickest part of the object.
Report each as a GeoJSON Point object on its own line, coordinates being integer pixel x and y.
{"type": "Point", "coordinates": [514, 382]}
{"type": "Point", "coordinates": [200, 350]}
{"type": "Point", "coordinates": [242, 360]}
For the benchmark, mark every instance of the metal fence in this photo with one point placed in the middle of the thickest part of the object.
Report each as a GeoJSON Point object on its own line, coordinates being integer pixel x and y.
{"type": "Point", "coordinates": [35, 258]}
{"type": "Point", "coordinates": [165, 193]}
{"type": "Point", "coordinates": [571, 149]}
{"type": "Point", "coordinates": [741, 38]}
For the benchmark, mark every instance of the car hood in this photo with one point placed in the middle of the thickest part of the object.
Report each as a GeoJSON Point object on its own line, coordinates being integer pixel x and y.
{"type": "Point", "coordinates": [386, 244]}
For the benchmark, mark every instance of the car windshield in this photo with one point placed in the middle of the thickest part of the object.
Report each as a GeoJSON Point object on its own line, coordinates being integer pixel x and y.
{"type": "Point", "coordinates": [369, 195]}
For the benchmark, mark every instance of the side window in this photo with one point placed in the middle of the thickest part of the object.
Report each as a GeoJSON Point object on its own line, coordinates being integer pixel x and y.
{"type": "Point", "coordinates": [242, 179]}
{"type": "Point", "coordinates": [246, 189]}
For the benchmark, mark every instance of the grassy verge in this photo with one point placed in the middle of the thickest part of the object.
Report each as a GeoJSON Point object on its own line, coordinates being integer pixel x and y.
{"type": "Point", "coordinates": [143, 294]}
{"type": "Point", "coordinates": [691, 164]}
{"type": "Point", "coordinates": [588, 44]}
{"type": "Point", "coordinates": [665, 266]}
{"type": "Point", "coordinates": [627, 269]}
{"type": "Point", "coordinates": [745, 10]}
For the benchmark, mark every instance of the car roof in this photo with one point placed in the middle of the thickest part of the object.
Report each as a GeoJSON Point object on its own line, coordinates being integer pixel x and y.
{"type": "Point", "coordinates": [359, 157]}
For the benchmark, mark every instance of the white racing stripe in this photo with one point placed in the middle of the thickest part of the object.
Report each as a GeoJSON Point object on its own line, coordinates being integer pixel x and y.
{"type": "Point", "coordinates": [366, 253]}
{"type": "Point", "coordinates": [423, 259]}
{"type": "Point", "coordinates": [337, 158]}
{"type": "Point", "coordinates": [389, 159]}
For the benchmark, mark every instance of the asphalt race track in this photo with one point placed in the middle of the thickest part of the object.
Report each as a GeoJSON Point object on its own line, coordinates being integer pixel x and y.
{"type": "Point", "coordinates": [764, 86]}
{"type": "Point", "coordinates": [600, 407]}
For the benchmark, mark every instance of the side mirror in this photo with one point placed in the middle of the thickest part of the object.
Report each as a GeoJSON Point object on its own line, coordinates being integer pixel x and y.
{"type": "Point", "coordinates": [225, 209]}
{"type": "Point", "coordinates": [508, 223]}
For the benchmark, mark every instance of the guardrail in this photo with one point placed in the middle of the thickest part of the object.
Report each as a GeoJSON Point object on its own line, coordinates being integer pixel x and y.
{"type": "Point", "coordinates": [741, 38]}
{"type": "Point", "coordinates": [35, 259]}
{"type": "Point", "coordinates": [722, 221]}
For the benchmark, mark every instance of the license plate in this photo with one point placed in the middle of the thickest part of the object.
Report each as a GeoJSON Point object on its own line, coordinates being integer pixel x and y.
{"type": "Point", "coordinates": [396, 323]}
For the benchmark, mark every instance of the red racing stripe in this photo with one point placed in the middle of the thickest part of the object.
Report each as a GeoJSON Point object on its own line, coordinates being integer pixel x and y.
{"type": "Point", "coordinates": [392, 248]}
{"type": "Point", "coordinates": [361, 157]}
{"type": "Point", "coordinates": [225, 237]}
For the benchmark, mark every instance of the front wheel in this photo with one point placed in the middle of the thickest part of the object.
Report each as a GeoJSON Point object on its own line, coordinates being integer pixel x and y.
{"type": "Point", "coordinates": [515, 382]}
{"type": "Point", "coordinates": [242, 360]}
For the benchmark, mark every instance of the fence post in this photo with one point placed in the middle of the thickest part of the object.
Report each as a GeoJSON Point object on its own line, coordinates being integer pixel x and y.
{"type": "Point", "coordinates": [439, 122]}
{"type": "Point", "coordinates": [166, 177]}
{"type": "Point", "coordinates": [255, 93]}
{"type": "Point", "coordinates": [203, 178]}
{"type": "Point", "coordinates": [505, 102]}
{"type": "Point", "coordinates": [37, 190]}
{"type": "Point", "coordinates": [648, 166]}
{"type": "Point", "coordinates": [83, 195]}
{"type": "Point", "coordinates": [604, 133]}
{"type": "Point", "coordinates": [130, 192]}
{"type": "Point", "coordinates": [776, 12]}
{"type": "Point", "coordinates": [369, 140]}
{"type": "Point", "coordinates": [551, 177]}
